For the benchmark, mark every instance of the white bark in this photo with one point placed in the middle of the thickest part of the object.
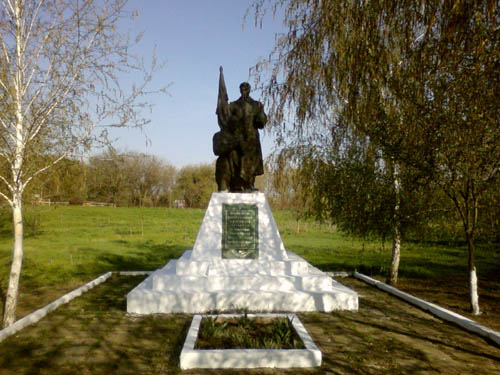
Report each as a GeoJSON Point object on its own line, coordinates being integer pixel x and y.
{"type": "Point", "coordinates": [17, 260]}
{"type": "Point", "coordinates": [396, 255]}
{"type": "Point", "coordinates": [396, 239]}
{"type": "Point", "coordinates": [474, 296]}
{"type": "Point", "coordinates": [16, 186]}
{"type": "Point", "coordinates": [56, 58]}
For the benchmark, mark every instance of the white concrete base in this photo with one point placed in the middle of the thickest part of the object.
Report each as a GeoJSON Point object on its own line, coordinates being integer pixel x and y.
{"type": "Point", "coordinates": [165, 291]}
{"type": "Point", "coordinates": [250, 358]}
{"type": "Point", "coordinates": [202, 281]}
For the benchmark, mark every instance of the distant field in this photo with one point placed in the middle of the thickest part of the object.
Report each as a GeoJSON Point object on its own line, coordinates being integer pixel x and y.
{"type": "Point", "coordinates": [67, 245]}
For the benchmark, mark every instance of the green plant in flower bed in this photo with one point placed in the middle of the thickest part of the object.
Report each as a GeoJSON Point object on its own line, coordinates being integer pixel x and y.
{"type": "Point", "coordinates": [212, 328]}
{"type": "Point", "coordinates": [247, 333]}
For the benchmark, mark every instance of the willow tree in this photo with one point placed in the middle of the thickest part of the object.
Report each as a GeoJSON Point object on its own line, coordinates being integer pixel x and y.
{"type": "Point", "coordinates": [285, 173]}
{"type": "Point", "coordinates": [61, 66]}
{"type": "Point", "coordinates": [419, 78]}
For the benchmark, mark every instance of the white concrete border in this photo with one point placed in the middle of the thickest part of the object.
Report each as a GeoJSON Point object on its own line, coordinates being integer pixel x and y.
{"type": "Point", "coordinates": [249, 358]}
{"type": "Point", "coordinates": [40, 313]}
{"type": "Point", "coordinates": [439, 311]}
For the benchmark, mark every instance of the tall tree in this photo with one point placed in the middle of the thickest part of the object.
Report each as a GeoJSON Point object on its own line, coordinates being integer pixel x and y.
{"type": "Point", "coordinates": [65, 182]}
{"type": "Point", "coordinates": [195, 184]}
{"type": "Point", "coordinates": [130, 178]}
{"type": "Point", "coordinates": [421, 79]}
{"type": "Point", "coordinates": [62, 61]}
{"type": "Point", "coordinates": [149, 179]}
{"type": "Point", "coordinates": [287, 190]}
{"type": "Point", "coordinates": [350, 183]}
{"type": "Point", "coordinates": [107, 178]}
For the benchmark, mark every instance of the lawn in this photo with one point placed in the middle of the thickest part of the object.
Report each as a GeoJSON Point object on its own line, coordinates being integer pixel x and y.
{"type": "Point", "coordinates": [66, 246]}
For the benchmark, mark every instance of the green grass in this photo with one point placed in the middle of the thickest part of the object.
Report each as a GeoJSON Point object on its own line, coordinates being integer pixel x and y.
{"type": "Point", "coordinates": [67, 245]}
{"type": "Point", "coordinates": [73, 243]}
{"type": "Point", "coordinates": [332, 250]}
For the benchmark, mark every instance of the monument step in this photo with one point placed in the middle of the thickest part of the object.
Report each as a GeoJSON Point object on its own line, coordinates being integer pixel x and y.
{"type": "Point", "coordinates": [172, 282]}
{"type": "Point", "coordinates": [147, 301]}
{"type": "Point", "coordinates": [241, 267]}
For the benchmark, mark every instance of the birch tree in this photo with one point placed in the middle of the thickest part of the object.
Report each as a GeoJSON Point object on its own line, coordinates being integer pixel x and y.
{"type": "Point", "coordinates": [61, 63]}
{"type": "Point", "coordinates": [420, 78]}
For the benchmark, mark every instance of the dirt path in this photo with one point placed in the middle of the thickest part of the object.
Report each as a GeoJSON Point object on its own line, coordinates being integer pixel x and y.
{"type": "Point", "coordinates": [93, 335]}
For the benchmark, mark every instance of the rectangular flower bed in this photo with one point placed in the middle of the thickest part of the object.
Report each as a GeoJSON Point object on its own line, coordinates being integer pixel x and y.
{"type": "Point", "coordinates": [310, 356]}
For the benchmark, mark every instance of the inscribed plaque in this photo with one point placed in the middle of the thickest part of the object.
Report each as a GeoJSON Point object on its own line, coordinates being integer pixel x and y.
{"type": "Point", "coordinates": [240, 231]}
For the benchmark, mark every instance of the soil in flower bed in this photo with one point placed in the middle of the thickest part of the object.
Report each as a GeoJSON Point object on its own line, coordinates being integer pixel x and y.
{"type": "Point", "coordinates": [247, 333]}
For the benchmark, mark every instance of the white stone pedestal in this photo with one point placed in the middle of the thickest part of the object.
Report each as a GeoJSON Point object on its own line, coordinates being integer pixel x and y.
{"type": "Point", "coordinates": [202, 281]}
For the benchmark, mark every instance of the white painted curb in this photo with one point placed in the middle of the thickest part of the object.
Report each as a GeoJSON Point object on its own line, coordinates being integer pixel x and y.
{"type": "Point", "coordinates": [439, 311]}
{"type": "Point", "coordinates": [249, 358]}
{"type": "Point", "coordinates": [40, 313]}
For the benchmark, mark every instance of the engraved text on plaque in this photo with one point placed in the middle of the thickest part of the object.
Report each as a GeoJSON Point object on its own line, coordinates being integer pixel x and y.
{"type": "Point", "coordinates": [240, 231]}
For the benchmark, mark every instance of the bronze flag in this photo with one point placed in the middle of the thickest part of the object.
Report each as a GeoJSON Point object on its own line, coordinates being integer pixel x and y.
{"type": "Point", "coordinates": [222, 103]}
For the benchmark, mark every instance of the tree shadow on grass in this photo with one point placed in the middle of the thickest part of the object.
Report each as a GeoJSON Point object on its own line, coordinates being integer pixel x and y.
{"type": "Point", "coordinates": [386, 314]}
{"type": "Point", "coordinates": [148, 257]}
{"type": "Point", "coordinates": [93, 334]}
{"type": "Point", "coordinates": [413, 268]}
{"type": "Point", "coordinates": [428, 339]}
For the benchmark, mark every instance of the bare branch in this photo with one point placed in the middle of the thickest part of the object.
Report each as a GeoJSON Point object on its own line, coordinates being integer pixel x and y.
{"type": "Point", "coordinates": [6, 198]}
{"type": "Point", "coordinates": [7, 183]}
{"type": "Point", "coordinates": [43, 169]}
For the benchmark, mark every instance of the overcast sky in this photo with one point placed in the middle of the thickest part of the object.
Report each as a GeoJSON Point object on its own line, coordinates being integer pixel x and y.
{"type": "Point", "coordinates": [195, 37]}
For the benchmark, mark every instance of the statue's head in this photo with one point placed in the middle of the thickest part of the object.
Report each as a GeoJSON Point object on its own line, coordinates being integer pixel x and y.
{"type": "Point", "coordinates": [245, 89]}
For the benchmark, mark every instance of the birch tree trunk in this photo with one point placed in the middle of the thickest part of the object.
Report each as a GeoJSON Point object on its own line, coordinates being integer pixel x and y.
{"type": "Point", "coordinates": [396, 239]}
{"type": "Point", "coordinates": [474, 295]}
{"type": "Point", "coordinates": [16, 186]}
{"type": "Point", "coordinates": [57, 58]}
{"type": "Point", "coordinates": [467, 207]}
{"type": "Point", "coordinates": [396, 255]}
{"type": "Point", "coordinates": [17, 260]}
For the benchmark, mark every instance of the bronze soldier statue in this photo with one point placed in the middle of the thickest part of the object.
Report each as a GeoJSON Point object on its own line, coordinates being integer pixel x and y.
{"type": "Point", "coordinates": [238, 142]}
